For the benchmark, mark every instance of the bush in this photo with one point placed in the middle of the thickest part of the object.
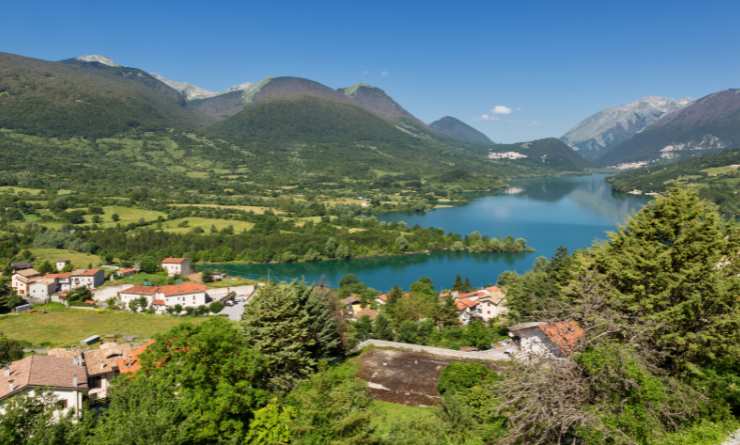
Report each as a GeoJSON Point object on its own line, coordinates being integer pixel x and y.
{"type": "Point", "coordinates": [458, 376]}
{"type": "Point", "coordinates": [216, 307]}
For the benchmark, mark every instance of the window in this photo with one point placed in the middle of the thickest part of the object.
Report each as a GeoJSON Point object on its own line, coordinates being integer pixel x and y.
{"type": "Point", "coordinates": [61, 404]}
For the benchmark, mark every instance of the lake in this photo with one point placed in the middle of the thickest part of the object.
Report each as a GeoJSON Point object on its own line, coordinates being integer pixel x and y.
{"type": "Point", "coordinates": [572, 211]}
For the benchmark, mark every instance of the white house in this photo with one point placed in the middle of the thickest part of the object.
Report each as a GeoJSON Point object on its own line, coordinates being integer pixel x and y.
{"type": "Point", "coordinates": [64, 378]}
{"type": "Point", "coordinates": [177, 266]}
{"type": "Point", "coordinates": [21, 279]}
{"type": "Point", "coordinates": [89, 278]}
{"type": "Point", "coordinates": [61, 264]}
{"type": "Point", "coordinates": [41, 289]}
{"type": "Point", "coordinates": [484, 304]}
{"type": "Point", "coordinates": [555, 339]}
{"type": "Point", "coordinates": [162, 297]}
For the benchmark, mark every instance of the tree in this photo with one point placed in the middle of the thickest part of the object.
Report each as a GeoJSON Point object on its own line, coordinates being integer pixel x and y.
{"type": "Point", "coordinates": [149, 265]}
{"type": "Point", "coordinates": [30, 420]}
{"type": "Point", "coordinates": [197, 385]}
{"type": "Point", "coordinates": [332, 408]}
{"type": "Point", "coordinates": [458, 286]}
{"type": "Point", "coordinates": [10, 350]}
{"type": "Point", "coordinates": [115, 217]}
{"type": "Point", "coordinates": [293, 328]}
{"type": "Point", "coordinates": [447, 314]}
{"type": "Point", "coordinates": [382, 329]}
{"type": "Point", "coordinates": [362, 328]}
{"type": "Point", "coordinates": [671, 270]}
{"type": "Point", "coordinates": [46, 267]}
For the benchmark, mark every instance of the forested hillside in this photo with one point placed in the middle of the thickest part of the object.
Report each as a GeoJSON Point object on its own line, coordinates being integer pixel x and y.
{"type": "Point", "coordinates": [716, 176]}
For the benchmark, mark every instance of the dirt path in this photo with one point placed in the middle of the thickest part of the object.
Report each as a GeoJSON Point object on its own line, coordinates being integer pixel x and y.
{"type": "Point", "coordinates": [490, 355]}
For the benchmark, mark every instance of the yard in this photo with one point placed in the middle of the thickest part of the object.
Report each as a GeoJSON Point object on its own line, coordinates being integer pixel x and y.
{"type": "Point", "coordinates": [126, 215]}
{"type": "Point", "coordinates": [54, 325]}
{"type": "Point", "coordinates": [78, 259]}
{"type": "Point", "coordinates": [185, 225]}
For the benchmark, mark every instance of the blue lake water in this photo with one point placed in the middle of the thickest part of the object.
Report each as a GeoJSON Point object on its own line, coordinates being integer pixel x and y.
{"type": "Point", "coordinates": [570, 211]}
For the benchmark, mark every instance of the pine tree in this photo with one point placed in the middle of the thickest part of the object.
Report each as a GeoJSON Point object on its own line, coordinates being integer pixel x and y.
{"type": "Point", "coordinates": [446, 313]}
{"type": "Point", "coordinates": [458, 286]}
{"type": "Point", "coordinates": [382, 329]}
{"type": "Point", "coordinates": [467, 287]}
{"type": "Point", "coordinates": [671, 269]}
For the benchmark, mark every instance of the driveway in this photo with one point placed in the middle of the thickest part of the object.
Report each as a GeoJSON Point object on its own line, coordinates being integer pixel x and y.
{"type": "Point", "coordinates": [102, 295]}
{"type": "Point", "coordinates": [236, 311]}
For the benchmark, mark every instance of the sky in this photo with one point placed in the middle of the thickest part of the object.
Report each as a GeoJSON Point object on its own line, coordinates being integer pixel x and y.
{"type": "Point", "coordinates": [516, 70]}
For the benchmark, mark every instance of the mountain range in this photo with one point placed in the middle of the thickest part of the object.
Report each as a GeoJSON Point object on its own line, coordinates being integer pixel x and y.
{"type": "Point", "coordinates": [658, 129]}
{"type": "Point", "coordinates": [612, 126]}
{"type": "Point", "coordinates": [93, 97]}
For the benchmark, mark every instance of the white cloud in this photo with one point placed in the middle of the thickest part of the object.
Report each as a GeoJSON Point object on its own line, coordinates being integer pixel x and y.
{"type": "Point", "coordinates": [489, 117]}
{"type": "Point", "coordinates": [501, 109]}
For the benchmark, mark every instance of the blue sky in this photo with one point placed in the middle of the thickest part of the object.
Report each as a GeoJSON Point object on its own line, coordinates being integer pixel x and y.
{"type": "Point", "coordinates": [548, 64]}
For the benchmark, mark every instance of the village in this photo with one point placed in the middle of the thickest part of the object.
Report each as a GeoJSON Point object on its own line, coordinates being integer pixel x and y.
{"type": "Point", "coordinates": [78, 378]}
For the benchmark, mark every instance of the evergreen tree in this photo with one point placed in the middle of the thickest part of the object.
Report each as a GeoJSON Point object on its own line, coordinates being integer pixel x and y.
{"type": "Point", "coordinates": [382, 329]}
{"type": "Point", "coordinates": [671, 269]}
{"type": "Point", "coordinates": [458, 286]}
{"type": "Point", "coordinates": [467, 287]}
{"type": "Point", "coordinates": [292, 328]}
{"type": "Point", "coordinates": [446, 313]}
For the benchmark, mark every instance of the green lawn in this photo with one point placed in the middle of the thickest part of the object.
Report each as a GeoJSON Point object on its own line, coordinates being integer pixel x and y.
{"type": "Point", "coordinates": [78, 259]}
{"type": "Point", "coordinates": [155, 279]}
{"type": "Point", "coordinates": [54, 325]}
{"type": "Point", "coordinates": [19, 190]}
{"type": "Point", "coordinates": [127, 215]}
{"type": "Point", "coordinates": [185, 225]}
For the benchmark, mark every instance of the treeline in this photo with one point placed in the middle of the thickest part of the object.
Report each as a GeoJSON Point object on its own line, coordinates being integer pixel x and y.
{"type": "Point", "coordinates": [274, 240]}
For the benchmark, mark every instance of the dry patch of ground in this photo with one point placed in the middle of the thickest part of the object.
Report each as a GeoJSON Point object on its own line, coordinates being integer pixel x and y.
{"type": "Point", "coordinates": [402, 377]}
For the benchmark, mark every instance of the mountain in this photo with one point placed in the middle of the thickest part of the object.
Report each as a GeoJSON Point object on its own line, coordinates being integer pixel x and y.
{"type": "Point", "coordinates": [458, 130]}
{"type": "Point", "coordinates": [376, 101]}
{"type": "Point", "coordinates": [548, 152]}
{"type": "Point", "coordinates": [709, 123]}
{"type": "Point", "coordinates": [607, 128]}
{"type": "Point", "coordinates": [188, 90]}
{"type": "Point", "coordinates": [81, 98]}
{"type": "Point", "coordinates": [716, 175]}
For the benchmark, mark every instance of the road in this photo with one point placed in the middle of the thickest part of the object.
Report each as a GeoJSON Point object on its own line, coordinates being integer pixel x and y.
{"type": "Point", "coordinates": [236, 311]}
{"type": "Point", "coordinates": [102, 295]}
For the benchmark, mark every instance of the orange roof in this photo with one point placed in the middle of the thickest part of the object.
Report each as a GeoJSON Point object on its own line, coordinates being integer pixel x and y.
{"type": "Point", "coordinates": [141, 290]}
{"type": "Point", "coordinates": [182, 289]}
{"type": "Point", "coordinates": [564, 334]}
{"type": "Point", "coordinates": [171, 260]}
{"type": "Point", "coordinates": [464, 303]}
{"type": "Point", "coordinates": [85, 272]}
{"type": "Point", "coordinates": [42, 371]}
{"type": "Point", "coordinates": [59, 276]}
{"type": "Point", "coordinates": [130, 363]}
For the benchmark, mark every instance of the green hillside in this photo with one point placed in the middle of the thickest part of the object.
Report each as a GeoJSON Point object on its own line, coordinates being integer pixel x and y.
{"type": "Point", "coordinates": [64, 99]}
{"type": "Point", "coordinates": [549, 152]}
{"type": "Point", "coordinates": [716, 176]}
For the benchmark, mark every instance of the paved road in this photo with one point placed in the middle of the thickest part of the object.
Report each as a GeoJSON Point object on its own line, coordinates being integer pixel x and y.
{"type": "Point", "coordinates": [104, 294]}
{"type": "Point", "coordinates": [236, 311]}
{"type": "Point", "coordinates": [490, 355]}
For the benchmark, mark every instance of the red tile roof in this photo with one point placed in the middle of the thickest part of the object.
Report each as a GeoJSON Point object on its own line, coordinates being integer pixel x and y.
{"type": "Point", "coordinates": [130, 363]}
{"type": "Point", "coordinates": [464, 303]}
{"type": "Point", "coordinates": [564, 334]}
{"type": "Point", "coordinates": [182, 289]}
{"type": "Point", "coordinates": [171, 260]}
{"type": "Point", "coordinates": [141, 290]}
{"type": "Point", "coordinates": [85, 272]}
{"type": "Point", "coordinates": [59, 276]}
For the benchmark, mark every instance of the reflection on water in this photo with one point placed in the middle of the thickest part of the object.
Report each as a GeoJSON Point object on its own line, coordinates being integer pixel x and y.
{"type": "Point", "coordinates": [549, 212]}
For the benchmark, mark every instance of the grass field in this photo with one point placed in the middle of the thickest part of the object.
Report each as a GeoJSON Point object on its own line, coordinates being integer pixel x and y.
{"type": "Point", "coordinates": [127, 215]}
{"type": "Point", "coordinates": [19, 190]}
{"type": "Point", "coordinates": [174, 225]}
{"type": "Point", "coordinates": [257, 210]}
{"type": "Point", "coordinates": [54, 325]}
{"type": "Point", "coordinates": [78, 259]}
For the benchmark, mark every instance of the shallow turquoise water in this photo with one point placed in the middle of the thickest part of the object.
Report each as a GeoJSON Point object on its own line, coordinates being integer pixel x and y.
{"type": "Point", "coordinates": [548, 212]}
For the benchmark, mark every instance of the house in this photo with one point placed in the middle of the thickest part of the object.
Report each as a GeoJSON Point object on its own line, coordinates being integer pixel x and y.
{"type": "Point", "coordinates": [62, 264]}
{"type": "Point", "coordinates": [484, 304]}
{"type": "Point", "coordinates": [89, 278]}
{"type": "Point", "coordinates": [64, 378]}
{"type": "Point", "coordinates": [381, 299]}
{"type": "Point", "coordinates": [126, 272]}
{"type": "Point", "coordinates": [21, 279]}
{"type": "Point", "coordinates": [163, 297]}
{"type": "Point", "coordinates": [177, 266]}
{"type": "Point", "coordinates": [41, 289]}
{"type": "Point", "coordinates": [548, 339]}
{"type": "Point", "coordinates": [130, 363]}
